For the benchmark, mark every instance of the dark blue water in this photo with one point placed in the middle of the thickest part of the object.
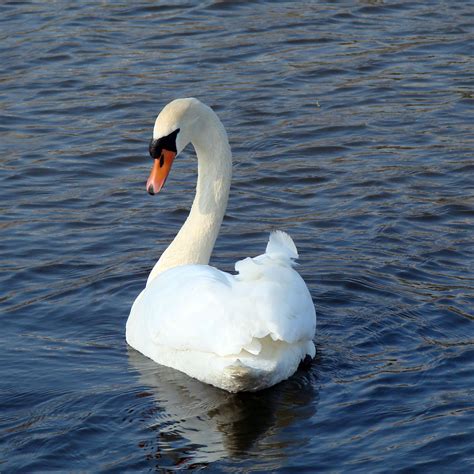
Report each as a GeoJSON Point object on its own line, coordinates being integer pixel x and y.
{"type": "Point", "coordinates": [352, 128]}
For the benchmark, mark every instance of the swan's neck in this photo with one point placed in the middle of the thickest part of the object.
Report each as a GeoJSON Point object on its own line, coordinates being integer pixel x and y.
{"type": "Point", "coordinates": [194, 242]}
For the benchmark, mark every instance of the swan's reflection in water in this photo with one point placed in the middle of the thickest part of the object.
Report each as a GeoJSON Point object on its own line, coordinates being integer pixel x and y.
{"type": "Point", "coordinates": [199, 424]}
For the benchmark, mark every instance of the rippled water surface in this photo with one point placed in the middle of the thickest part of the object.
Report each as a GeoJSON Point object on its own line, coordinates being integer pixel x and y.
{"type": "Point", "coordinates": [351, 125]}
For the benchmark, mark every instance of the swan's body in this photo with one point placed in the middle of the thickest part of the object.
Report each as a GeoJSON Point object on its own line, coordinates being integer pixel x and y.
{"type": "Point", "coordinates": [238, 332]}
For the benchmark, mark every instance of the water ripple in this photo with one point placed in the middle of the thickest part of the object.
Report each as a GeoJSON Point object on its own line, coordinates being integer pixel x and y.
{"type": "Point", "coordinates": [351, 128]}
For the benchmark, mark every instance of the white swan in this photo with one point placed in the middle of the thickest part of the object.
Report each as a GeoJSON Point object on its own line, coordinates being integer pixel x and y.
{"type": "Point", "coordinates": [241, 332]}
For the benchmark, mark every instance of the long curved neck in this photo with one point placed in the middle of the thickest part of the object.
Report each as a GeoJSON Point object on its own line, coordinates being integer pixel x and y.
{"type": "Point", "coordinates": [194, 242]}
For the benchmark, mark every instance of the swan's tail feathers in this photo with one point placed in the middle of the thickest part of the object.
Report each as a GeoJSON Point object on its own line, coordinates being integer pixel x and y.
{"type": "Point", "coordinates": [280, 245]}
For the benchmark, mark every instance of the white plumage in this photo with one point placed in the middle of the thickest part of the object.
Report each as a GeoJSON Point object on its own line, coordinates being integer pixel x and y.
{"type": "Point", "coordinates": [238, 332]}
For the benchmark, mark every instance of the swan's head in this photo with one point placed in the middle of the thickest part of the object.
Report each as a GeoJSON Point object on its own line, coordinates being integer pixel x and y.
{"type": "Point", "coordinates": [174, 128]}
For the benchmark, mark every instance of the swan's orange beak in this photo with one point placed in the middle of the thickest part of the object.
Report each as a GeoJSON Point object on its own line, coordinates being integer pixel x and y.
{"type": "Point", "coordinates": [160, 171]}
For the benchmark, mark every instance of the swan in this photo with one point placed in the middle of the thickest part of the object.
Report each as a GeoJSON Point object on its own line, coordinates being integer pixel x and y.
{"type": "Point", "coordinates": [242, 332]}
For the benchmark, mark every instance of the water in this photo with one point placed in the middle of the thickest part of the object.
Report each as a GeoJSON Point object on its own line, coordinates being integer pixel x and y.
{"type": "Point", "coordinates": [351, 125]}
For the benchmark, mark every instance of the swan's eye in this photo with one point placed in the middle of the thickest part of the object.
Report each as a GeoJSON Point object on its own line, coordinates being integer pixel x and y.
{"type": "Point", "coordinates": [152, 148]}
{"type": "Point", "coordinates": [164, 143]}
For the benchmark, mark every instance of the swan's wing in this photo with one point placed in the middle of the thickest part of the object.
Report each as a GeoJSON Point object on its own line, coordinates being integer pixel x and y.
{"type": "Point", "coordinates": [199, 308]}
{"type": "Point", "coordinates": [186, 308]}
{"type": "Point", "coordinates": [277, 292]}
{"type": "Point", "coordinates": [277, 297]}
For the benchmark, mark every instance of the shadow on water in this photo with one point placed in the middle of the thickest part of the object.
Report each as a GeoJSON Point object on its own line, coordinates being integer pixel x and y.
{"type": "Point", "coordinates": [197, 424]}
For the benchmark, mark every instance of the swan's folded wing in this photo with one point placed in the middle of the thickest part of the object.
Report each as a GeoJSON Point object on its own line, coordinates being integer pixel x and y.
{"type": "Point", "coordinates": [188, 308]}
{"type": "Point", "coordinates": [199, 308]}
{"type": "Point", "coordinates": [280, 300]}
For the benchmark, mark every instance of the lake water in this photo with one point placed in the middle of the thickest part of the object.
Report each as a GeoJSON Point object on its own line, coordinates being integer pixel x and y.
{"type": "Point", "coordinates": [351, 125]}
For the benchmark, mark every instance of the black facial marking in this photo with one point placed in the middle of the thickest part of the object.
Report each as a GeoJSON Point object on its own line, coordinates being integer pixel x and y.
{"type": "Point", "coordinates": [164, 143]}
{"type": "Point", "coordinates": [162, 160]}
